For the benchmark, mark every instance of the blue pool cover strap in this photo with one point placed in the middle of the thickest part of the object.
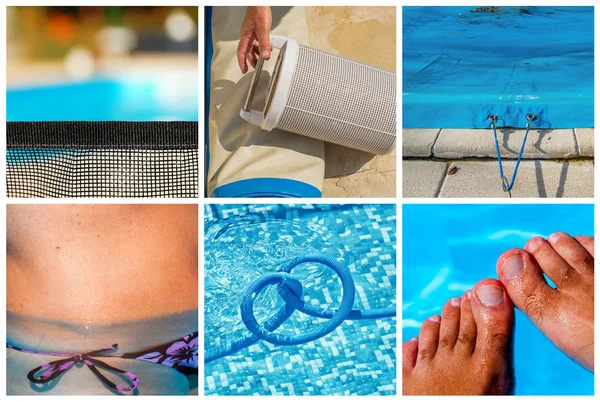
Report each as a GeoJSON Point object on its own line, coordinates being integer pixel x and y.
{"type": "Point", "coordinates": [512, 116]}
{"type": "Point", "coordinates": [290, 290]}
{"type": "Point", "coordinates": [462, 63]}
{"type": "Point", "coordinates": [494, 119]}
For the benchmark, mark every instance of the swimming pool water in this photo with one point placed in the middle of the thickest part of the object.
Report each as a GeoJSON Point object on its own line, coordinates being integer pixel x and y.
{"type": "Point", "coordinates": [243, 242]}
{"type": "Point", "coordinates": [446, 249]}
{"type": "Point", "coordinates": [160, 96]}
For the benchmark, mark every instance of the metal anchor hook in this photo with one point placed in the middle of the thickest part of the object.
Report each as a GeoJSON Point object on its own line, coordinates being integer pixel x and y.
{"type": "Point", "coordinates": [531, 117]}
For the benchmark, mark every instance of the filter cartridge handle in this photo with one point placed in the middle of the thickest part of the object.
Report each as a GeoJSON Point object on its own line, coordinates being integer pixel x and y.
{"type": "Point", "coordinates": [247, 113]}
{"type": "Point", "coordinates": [252, 90]}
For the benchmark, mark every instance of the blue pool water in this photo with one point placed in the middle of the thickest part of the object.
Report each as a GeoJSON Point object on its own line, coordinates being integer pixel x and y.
{"type": "Point", "coordinates": [244, 242]}
{"type": "Point", "coordinates": [446, 249]}
{"type": "Point", "coordinates": [142, 97]}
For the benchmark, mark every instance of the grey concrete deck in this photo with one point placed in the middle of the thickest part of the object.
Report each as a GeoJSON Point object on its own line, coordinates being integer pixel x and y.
{"type": "Point", "coordinates": [352, 173]}
{"type": "Point", "coordinates": [462, 163]}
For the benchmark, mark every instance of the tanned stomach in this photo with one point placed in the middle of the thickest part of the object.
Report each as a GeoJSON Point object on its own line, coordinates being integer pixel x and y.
{"type": "Point", "coordinates": [102, 263]}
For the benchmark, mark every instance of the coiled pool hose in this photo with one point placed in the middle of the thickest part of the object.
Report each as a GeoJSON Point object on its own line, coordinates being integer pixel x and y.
{"type": "Point", "coordinates": [290, 290]}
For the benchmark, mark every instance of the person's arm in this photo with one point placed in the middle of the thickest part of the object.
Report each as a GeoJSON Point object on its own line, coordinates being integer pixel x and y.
{"type": "Point", "coordinates": [254, 37]}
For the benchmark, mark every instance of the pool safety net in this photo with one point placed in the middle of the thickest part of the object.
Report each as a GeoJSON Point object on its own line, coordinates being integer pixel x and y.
{"type": "Point", "coordinates": [102, 159]}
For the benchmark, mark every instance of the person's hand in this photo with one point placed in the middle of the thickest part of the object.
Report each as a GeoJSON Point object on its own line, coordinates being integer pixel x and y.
{"type": "Point", "coordinates": [255, 37]}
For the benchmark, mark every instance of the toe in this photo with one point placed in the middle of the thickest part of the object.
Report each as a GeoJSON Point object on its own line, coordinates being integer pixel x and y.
{"type": "Point", "coordinates": [587, 242]}
{"type": "Point", "coordinates": [570, 251]}
{"type": "Point", "coordinates": [467, 333]}
{"type": "Point", "coordinates": [450, 324]}
{"type": "Point", "coordinates": [494, 315]}
{"type": "Point", "coordinates": [428, 338]}
{"type": "Point", "coordinates": [409, 355]}
{"type": "Point", "coordinates": [524, 281]}
{"type": "Point", "coordinates": [551, 263]}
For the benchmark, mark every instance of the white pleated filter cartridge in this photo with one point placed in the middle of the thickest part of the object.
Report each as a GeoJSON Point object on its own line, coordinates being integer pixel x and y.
{"type": "Point", "coordinates": [328, 97]}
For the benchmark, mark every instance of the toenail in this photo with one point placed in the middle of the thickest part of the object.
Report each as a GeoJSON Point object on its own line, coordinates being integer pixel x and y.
{"type": "Point", "coordinates": [512, 267]}
{"type": "Point", "coordinates": [455, 301]}
{"type": "Point", "coordinates": [490, 295]}
{"type": "Point", "coordinates": [554, 237]}
{"type": "Point", "coordinates": [434, 318]}
{"type": "Point", "coordinates": [469, 294]}
{"type": "Point", "coordinates": [533, 244]}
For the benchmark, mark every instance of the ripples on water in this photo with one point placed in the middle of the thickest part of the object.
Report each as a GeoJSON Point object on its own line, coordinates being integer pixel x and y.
{"type": "Point", "coordinates": [239, 250]}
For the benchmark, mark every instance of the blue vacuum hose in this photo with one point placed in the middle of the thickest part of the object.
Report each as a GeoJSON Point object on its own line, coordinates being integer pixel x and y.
{"type": "Point", "coordinates": [290, 290]}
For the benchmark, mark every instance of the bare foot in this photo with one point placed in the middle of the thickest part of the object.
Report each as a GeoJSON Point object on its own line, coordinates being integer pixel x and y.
{"type": "Point", "coordinates": [565, 315]}
{"type": "Point", "coordinates": [466, 352]}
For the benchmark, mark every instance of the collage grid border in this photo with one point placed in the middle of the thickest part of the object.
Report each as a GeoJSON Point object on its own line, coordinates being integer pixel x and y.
{"type": "Point", "coordinates": [398, 201]}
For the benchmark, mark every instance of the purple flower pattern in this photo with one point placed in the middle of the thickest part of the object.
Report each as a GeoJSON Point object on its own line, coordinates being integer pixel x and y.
{"type": "Point", "coordinates": [181, 355]}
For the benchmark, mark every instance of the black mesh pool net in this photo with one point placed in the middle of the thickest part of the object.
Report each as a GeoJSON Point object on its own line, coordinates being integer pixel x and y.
{"type": "Point", "coordinates": [102, 159]}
